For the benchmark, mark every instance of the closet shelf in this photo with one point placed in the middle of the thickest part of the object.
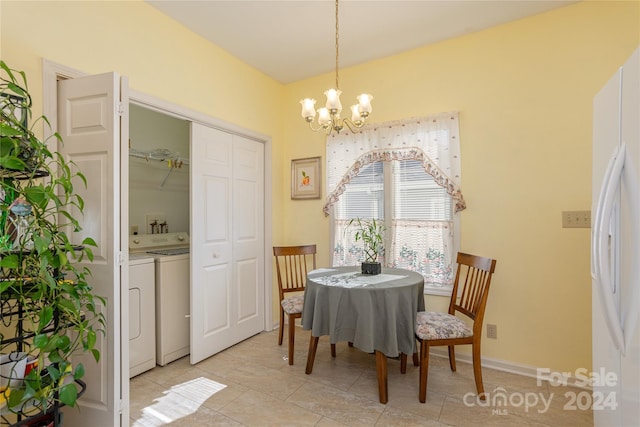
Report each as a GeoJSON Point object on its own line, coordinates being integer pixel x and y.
{"type": "Point", "coordinates": [160, 155]}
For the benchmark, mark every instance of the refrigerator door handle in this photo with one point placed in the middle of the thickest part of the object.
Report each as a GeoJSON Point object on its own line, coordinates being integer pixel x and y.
{"type": "Point", "coordinates": [601, 269]}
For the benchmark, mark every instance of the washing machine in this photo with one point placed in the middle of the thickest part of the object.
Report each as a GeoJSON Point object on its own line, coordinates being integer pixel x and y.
{"type": "Point", "coordinates": [173, 293]}
{"type": "Point", "coordinates": [142, 314]}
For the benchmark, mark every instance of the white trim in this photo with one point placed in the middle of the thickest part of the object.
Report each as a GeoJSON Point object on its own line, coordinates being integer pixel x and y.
{"type": "Point", "coordinates": [506, 366]}
{"type": "Point", "coordinates": [438, 291]}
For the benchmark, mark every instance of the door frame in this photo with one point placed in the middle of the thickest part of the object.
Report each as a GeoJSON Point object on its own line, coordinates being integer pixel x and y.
{"type": "Point", "coordinates": [52, 72]}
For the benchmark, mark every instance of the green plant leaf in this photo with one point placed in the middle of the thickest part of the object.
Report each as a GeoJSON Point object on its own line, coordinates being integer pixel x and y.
{"type": "Point", "coordinates": [8, 130]}
{"type": "Point", "coordinates": [10, 261]}
{"type": "Point", "coordinates": [88, 241]}
{"type": "Point", "coordinates": [64, 342]}
{"type": "Point", "coordinates": [55, 357]}
{"type": "Point", "coordinates": [91, 339]}
{"type": "Point", "coordinates": [16, 396]}
{"type": "Point", "coordinates": [37, 195]}
{"type": "Point", "coordinates": [46, 316]}
{"type": "Point", "coordinates": [11, 162]}
{"type": "Point", "coordinates": [68, 394]}
{"type": "Point", "coordinates": [4, 286]}
{"type": "Point", "coordinates": [53, 370]}
{"type": "Point", "coordinates": [40, 341]}
{"type": "Point", "coordinates": [79, 372]}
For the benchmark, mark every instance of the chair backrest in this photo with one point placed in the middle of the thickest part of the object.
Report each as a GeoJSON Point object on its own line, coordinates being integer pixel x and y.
{"type": "Point", "coordinates": [474, 276]}
{"type": "Point", "coordinates": [292, 265]}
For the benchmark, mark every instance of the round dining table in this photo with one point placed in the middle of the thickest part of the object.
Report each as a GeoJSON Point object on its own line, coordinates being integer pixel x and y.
{"type": "Point", "coordinates": [374, 313]}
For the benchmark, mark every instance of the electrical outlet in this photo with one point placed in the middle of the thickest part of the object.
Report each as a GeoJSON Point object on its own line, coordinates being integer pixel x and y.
{"type": "Point", "coordinates": [576, 219]}
{"type": "Point", "coordinates": [492, 331]}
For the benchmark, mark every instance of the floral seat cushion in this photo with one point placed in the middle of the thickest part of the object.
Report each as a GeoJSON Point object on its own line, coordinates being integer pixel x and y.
{"type": "Point", "coordinates": [434, 326]}
{"type": "Point", "coordinates": [293, 304]}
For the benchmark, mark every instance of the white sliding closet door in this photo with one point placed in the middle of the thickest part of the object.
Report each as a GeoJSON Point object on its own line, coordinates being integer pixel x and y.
{"type": "Point", "coordinates": [227, 240]}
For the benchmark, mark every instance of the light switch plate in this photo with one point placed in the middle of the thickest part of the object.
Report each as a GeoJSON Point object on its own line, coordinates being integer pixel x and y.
{"type": "Point", "coordinates": [576, 219]}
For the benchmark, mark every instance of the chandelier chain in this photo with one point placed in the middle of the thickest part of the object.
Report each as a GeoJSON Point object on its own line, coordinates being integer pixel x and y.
{"type": "Point", "coordinates": [337, 48]}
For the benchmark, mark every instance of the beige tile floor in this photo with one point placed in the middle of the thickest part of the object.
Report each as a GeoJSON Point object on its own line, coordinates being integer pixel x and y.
{"type": "Point", "coordinates": [251, 384]}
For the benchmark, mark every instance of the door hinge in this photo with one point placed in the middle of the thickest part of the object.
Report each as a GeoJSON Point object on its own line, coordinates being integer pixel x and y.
{"type": "Point", "coordinates": [120, 108]}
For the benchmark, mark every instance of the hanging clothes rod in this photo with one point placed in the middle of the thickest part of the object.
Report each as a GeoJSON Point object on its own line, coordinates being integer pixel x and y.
{"type": "Point", "coordinates": [174, 161]}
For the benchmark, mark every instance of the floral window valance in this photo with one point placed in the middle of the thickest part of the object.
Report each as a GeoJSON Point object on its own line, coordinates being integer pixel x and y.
{"type": "Point", "coordinates": [433, 140]}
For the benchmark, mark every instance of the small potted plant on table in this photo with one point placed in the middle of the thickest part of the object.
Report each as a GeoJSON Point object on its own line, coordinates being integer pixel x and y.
{"type": "Point", "coordinates": [371, 233]}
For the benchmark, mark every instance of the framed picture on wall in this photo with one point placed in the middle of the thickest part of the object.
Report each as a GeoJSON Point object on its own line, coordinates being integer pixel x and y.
{"type": "Point", "coordinates": [305, 178]}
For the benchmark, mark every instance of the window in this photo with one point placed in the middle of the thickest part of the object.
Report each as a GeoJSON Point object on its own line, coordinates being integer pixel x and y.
{"type": "Point", "coordinates": [416, 211]}
{"type": "Point", "coordinates": [406, 174]}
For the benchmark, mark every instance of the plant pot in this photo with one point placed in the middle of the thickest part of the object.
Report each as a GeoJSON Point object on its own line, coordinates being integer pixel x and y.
{"type": "Point", "coordinates": [371, 268]}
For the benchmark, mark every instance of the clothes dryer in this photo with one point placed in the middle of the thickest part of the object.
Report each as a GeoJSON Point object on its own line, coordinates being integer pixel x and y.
{"type": "Point", "coordinates": [142, 314]}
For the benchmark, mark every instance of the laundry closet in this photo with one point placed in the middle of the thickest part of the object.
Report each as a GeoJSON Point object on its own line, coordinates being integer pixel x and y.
{"type": "Point", "coordinates": [159, 244]}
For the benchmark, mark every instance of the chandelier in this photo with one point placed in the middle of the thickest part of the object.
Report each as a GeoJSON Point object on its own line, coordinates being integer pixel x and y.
{"type": "Point", "coordinates": [329, 116]}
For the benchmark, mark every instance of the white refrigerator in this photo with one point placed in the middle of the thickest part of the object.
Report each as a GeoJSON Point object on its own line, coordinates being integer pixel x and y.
{"type": "Point", "coordinates": [615, 249]}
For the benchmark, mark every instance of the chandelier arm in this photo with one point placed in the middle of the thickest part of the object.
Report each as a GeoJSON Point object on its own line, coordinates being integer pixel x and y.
{"type": "Point", "coordinates": [353, 127]}
{"type": "Point", "coordinates": [327, 127]}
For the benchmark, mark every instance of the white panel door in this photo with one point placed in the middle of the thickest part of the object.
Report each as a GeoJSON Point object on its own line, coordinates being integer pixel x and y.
{"type": "Point", "coordinates": [90, 126]}
{"type": "Point", "coordinates": [248, 235]}
{"type": "Point", "coordinates": [227, 261]}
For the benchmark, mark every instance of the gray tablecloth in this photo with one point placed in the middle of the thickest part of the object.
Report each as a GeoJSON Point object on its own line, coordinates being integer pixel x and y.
{"type": "Point", "coordinates": [372, 312]}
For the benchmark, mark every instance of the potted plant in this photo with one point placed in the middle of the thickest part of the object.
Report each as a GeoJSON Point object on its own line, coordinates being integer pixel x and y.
{"type": "Point", "coordinates": [371, 233]}
{"type": "Point", "coordinates": [45, 299]}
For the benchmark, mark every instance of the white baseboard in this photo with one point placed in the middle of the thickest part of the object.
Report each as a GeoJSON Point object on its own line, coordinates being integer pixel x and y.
{"type": "Point", "coordinates": [511, 367]}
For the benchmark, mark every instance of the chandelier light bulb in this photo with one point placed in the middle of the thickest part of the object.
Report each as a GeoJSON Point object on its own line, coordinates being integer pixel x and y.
{"type": "Point", "coordinates": [324, 116]}
{"type": "Point", "coordinates": [308, 109]}
{"type": "Point", "coordinates": [364, 101]}
{"type": "Point", "coordinates": [333, 99]}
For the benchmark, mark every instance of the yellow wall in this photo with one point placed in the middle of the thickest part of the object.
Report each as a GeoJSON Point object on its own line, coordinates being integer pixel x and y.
{"type": "Point", "coordinates": [159, 57]}
{"type": "Point", "coordinates": [524, 92]}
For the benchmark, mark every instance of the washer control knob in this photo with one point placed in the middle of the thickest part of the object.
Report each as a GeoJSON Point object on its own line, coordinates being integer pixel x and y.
{"type": "Point", "coordinates": [181, 237]}
{"type": "Point", "coordinates": [136, 241]}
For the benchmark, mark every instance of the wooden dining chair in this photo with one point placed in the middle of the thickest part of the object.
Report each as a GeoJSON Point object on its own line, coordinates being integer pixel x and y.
{"type": "Point", "coordinates": [473, 275]}
{"type": "Point", "coordinates": [292, 265]}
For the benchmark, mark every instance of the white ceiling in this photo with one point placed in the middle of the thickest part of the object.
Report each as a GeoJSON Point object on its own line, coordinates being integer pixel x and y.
{"type": "Point", "coordinates": [295, 39]}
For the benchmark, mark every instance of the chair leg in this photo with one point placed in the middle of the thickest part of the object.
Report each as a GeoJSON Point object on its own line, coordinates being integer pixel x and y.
{"type": "Point", "coordinates": [333, 350]}
{"type": "Point", "coordinates": [281, 328]}
{"type": "Point", "coordinates": [477, 370]}
{"type": "Point", "coordinates": [416, 359]}
{"type": "Point", "coordinates": [403, 363]}
{"type": "Point", "coordinates": [452, 357]}
{"type": "Point", "coordinates": [424, 370]}
{"type": "Point", "coordinates": [292, 337]}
